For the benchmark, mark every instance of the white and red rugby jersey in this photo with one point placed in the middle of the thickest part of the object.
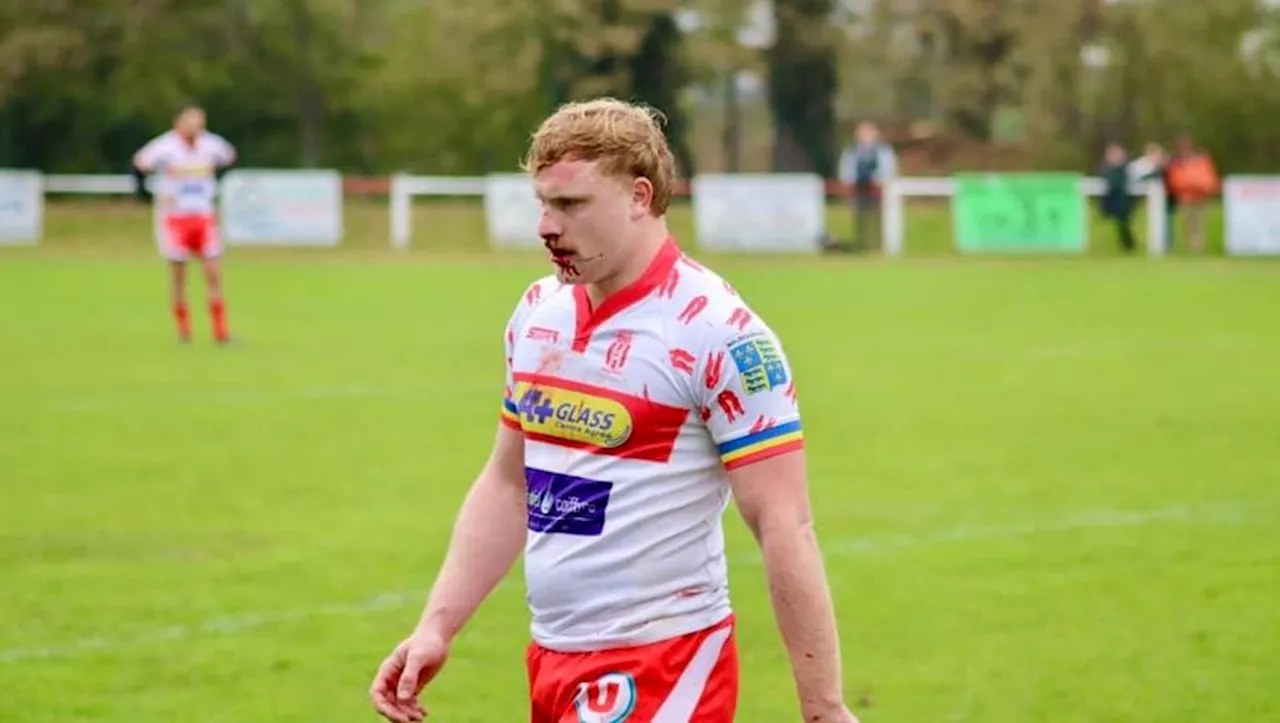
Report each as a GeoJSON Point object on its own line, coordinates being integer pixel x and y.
{"type": "Point", "coordinates": [632, 413]}
{"type": "Point", "coordinates": [187, 172]}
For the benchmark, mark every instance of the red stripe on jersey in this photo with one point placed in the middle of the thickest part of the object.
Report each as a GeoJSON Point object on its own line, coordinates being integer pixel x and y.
{"type": "Point", "coordinates": [683, 360]}
{"type": "Point", "coordinates": [670, 284]}
{"type": "Point", "coordinates": [740, 318]}
{"type": "Point", "coordinates": [595, 419]}
{"type": "Point", "coordinates": [764, 454]}
{"type": "Point", "coordinates": [715, 369]}
{"type": "Point", "coordinates": [588, 319]}
{"type": "Point", "coordinates": [694, 307]}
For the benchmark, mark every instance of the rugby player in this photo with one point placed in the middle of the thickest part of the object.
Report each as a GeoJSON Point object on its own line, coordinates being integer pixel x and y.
{"type": "Point", "coordinates": [188, 161]}
{"type": "Point", "coordinates": [642, 393]}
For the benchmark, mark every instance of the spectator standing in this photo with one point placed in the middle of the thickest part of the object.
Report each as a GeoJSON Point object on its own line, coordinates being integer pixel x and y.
{"type": "Point", "coordinates": [865, 166]}
{"type": "Point", "coordinates": [1193, 181]}
{"type": "Point", "coordinates": [1117, 202]}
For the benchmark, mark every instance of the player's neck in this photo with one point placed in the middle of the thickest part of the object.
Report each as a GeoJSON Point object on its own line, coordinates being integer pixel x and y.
{"type": "Point", "coordinates": [638, 260]}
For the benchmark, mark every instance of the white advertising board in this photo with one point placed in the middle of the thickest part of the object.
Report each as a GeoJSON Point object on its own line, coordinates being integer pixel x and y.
{"type": "Point", "coordinates": [282, 208]}
{"type": "Point", "coordinates": [784, 212]}
{"type": "Point", "coordinates": [1251, 213]}
{"type": "Point", "coordinates": [511, 210]}
{"type": "Point", "coordinates": [21, 207]}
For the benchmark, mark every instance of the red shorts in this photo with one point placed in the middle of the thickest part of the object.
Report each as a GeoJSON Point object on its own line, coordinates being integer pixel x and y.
{"type": "Point", "coordinates": [690, 678]}
{"type": "Point", "coordinates": [186, 235]}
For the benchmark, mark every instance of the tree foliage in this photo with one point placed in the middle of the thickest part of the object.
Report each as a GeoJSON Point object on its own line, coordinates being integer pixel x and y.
{"type": "Point", "coordinates": [387, 85]}
{"type": "Point", "coordinates": [802, 84]}
{"type": "Point", "coordinates": [1075, 73]}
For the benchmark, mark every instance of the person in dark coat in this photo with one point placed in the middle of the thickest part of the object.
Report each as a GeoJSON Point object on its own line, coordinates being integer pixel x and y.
{"type": "Point", "coordinates": [866, 166]}
{"type": "Point", "coordinates": [1117, 202]}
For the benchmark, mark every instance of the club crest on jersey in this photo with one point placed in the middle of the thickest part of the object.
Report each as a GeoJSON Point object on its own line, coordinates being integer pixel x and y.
{"type": "Point", "coordinates": [759, 363]}
{"type": "Point", "coordinates": [572, 415]}
{"type": "Point", "coordinates": [615, 357]}
{"type": "Point", "coordinates": [607, 699]}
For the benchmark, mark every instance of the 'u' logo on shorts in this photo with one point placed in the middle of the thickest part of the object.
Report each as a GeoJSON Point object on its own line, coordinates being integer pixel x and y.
{"type": "Point", "coordinates": [607, 699]}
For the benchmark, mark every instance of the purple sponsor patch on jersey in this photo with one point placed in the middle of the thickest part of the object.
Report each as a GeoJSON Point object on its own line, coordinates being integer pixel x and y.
{"type": "Point", "coordinates": [566, 504]}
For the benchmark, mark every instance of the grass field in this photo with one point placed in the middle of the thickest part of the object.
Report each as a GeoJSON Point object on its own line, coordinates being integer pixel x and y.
{"type": "Point", "coordinates": [1047, 488]}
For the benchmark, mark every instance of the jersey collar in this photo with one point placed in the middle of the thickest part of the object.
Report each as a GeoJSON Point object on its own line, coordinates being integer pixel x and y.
{"type": "Point", "coordinates": [588, 320]}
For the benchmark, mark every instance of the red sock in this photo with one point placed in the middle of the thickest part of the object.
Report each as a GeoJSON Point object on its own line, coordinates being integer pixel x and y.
{"type": "Point", "coordinates": [183, 319]}
{"type": "Point", "coordinates": [218, 311]}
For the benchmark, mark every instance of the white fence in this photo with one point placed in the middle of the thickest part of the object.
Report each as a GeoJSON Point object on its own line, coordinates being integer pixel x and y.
{"type": "Point", "coordinates": [405, 187]}
{"type": "Point", "coordinates": [1251, 207]}
{"type": "Point", "coordinates": [897, 191]}
{"type": "Point", "coordinates": [802, 209]}
{"type": "Point", "coordinates": [257, 207]}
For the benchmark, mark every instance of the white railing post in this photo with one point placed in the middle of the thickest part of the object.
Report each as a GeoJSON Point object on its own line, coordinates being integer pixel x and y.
{"type": "Point", "coordinates": [404, 187]}
{"type": "Point", "coordinates": [401, 202]}
{"type": "Point", "coordinates": [1157, 218]}
{"type": "Point", "coordinates": [892, 216]}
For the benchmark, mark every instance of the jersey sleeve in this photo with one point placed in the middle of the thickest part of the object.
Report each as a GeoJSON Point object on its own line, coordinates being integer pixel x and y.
{"type": "Point", "coordinates": [510, 414]}
{"type": "Point", "coordinates": [151, 156]}
{"type": "Point", "coordinates": [746, 393]}
{"type": "Point", "coordinates": [533, 295]}
{"type": "Point", "coordinates": [224, 153]}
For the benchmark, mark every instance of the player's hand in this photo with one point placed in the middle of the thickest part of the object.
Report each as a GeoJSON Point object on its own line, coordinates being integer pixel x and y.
{"type": "Point", "coordinates": [405, 673]}
{"type": "Point", "coordinates": [140, 191]}
{"type": "Point", "coordinates": [836, 714]}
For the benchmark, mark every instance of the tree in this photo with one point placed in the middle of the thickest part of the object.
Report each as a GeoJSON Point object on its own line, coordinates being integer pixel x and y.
{"type": "Point", "coordinates": [1191, 68]}
{"type": "Point", "coordinates": [973, 44]}
{"type": "Point", "coordinates": [1048, 55]}
{"type": "Point", "coordinates": [802, 82]}
{"type": "Point", "coordinates": [658, 75]}
{"type": "Point", "coordinates": [717, 56]}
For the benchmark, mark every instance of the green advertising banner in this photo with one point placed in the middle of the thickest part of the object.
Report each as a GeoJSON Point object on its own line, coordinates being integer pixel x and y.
{"type": "Point", "coordinates": [1020, 212]}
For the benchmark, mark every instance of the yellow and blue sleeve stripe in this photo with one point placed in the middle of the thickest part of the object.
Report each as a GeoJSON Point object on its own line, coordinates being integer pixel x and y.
{"type": "Point", "coordinates": [762, 445]}
{"type": "Point", "coordinates": [510, 414]}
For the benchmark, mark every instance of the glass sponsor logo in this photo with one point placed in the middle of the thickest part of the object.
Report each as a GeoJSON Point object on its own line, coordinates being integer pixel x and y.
{"type": "Point", "coordinates": [573, 416]}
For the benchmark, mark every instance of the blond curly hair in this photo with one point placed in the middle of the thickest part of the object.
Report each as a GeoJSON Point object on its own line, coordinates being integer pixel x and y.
{"type": "Point", "coordinates": [625, 138]}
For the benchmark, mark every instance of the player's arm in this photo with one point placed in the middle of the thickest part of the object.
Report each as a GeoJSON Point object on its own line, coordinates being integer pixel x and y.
{"type": "Point", "coordinates": [145, 162]}
{"type": "Point", "coordinates": [488, 536]}
{"type": "Point", "coordinates": [141, 162]}
{"type": "Point", "coordinates": [489, 532]}
{"type": "Point", "coordinates": [226, 157]}
{"type": "Point", "coordinates": [773, 499]}
{"type": "Point", "coordinates": [755, 419]}
{"type": "Point", "coordinates": [149, 157]}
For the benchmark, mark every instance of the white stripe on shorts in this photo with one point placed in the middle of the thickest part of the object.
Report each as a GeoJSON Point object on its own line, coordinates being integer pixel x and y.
{"type": "Point", "coordinates": [680, 705]}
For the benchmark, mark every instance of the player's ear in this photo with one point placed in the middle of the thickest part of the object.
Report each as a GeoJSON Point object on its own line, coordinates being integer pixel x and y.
{"type": "Point", "coordinates": [641, 196]}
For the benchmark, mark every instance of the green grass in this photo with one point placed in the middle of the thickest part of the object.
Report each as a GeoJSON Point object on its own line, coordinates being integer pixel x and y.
{"type": "Point", "coordinates": [1047, 488]}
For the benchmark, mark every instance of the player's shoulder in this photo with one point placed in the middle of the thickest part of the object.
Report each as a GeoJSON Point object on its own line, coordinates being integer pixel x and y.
{"type": "Point", "coordinates": [164, 140]}
{"type": "Point", "coordinates": [703, 305]}
{"type": "Point", "coordinates": [211, 138]}
{"type": "Point", "coordinates": [539, 290]}
{"type": "Point", "coordinates": [536, 294]}
{"type": "Point", "coordinates": [692, 278]}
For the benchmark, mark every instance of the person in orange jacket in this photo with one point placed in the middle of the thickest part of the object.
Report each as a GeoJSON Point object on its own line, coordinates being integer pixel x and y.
{"type": "Point", "coordinates": [1193, 181]}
